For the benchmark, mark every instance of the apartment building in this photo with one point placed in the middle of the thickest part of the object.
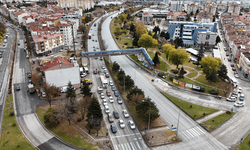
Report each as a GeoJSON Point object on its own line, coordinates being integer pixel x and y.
{"type": "Point", "coordinates": [176, 5]}
{"type": "Point", "coordinates": [234, 7]}
{"type": "Point", "coordinates": [147, 18]}
{"type": "Point", "coordinates": [66, 30]}
{"type": "Point", "coordinates": [206, 38]}
{"type": "Point", "coordinates": [192, 7]}
{"type": "Point", "coordinates": [211, 7]}
{"type": "Point", "coordinates": [244, 63]}
{"type": "Point", "coordinates": [84, 4]}
{"type": "Point", "coordinates": [204, 17]}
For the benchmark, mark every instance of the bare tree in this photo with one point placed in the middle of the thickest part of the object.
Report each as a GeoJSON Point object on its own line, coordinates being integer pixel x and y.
{"type": "Point", "coordinates": [50, 92]}
{"type": "Point", "coordinates": [137, 98]}
{"type": "Point", "coordinates": [83, 105]}
{"type": "Point", "coordinates": [226, 88]}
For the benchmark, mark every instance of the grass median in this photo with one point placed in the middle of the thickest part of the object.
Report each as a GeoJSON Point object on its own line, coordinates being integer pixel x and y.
{"type": "Point", "coordinates": [193, 110]}
{"type": "Point", "coordinates": [245, 144]}
{"type": "Point", "coordinates": [11, 136]}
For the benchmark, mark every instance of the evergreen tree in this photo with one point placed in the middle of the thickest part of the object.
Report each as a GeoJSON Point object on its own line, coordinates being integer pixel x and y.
{"type": "Point", "coordinates": [85, 90]}
{"type": "Point", "coordinates": [156, 29]}
{"type": "Point", "coordinates": [70, 93]}
{"type": "Point", "coordinates": [135, 40]}
{"type": "Point", "coordinates": [135, 92]}
{"type": "Point", "coordinates": [212, 76]}
{"type": "Point", "coordinates": [94, 114]}
{"type": "Point", "coordinates": [120, 75]}
{"type": "Point", "coordinates": [162, 34]}
{"type": "Point", "coordinates": [129, 82]}
{"type": "Point", "coordinates": [167, 36]}
{"type": "Point", "coordinates": [156, 59]}
{"type": "Point", "coordinates": [132, 27]}
{"type": "Point", "coordinates": [181, 73]}
{"type": "Point", "coordinates": [222, 71]}
{"type": "Point", "coordinates": [218, 39]}
{"type": "Point", "coordinates": [115, 67]}
{"type": "Point", "coordinates": [149, 33]}
{"type": "Point", "coordinates": [155, 36]}
{"type": "Point", "coordinates": [200, 54]}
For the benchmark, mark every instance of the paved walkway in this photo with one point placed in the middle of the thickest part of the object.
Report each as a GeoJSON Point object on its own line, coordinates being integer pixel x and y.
{"type": "Point", "coordinates": [155, 130]}
{"type": "Point", "coordinates": [210, 116]}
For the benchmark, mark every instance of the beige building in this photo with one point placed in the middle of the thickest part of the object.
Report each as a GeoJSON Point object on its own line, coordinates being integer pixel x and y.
{"type": "Point", "coordinates": [147, 18]}
{"type": "Point", "coordinates": [192, 7]}
{"type": "Point", "coordinates": [211, 7]}
{"type": "Point", "coordinates": [85, 4]}
{"type": "Point", "coordinates": [234, 7]}
{"type": "Point", "coordinates": [244, 63]}
{"type": "Point", "coordinates": [205, 17]}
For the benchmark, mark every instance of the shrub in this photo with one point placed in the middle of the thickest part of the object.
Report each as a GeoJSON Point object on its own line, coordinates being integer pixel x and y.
{"type": "Point", "coordinates": [228, 112]}
{"type": "Point", "coordinates": [173, 77]}
{"type": "Point", "coordinates": [202, 89]}
{"type": "Point", "coordinates": [79, 119]}
{"type": "Point", "coordinates": [214, 91]}
{"type": "Point", "coordinates": [161, 74]}
{"type": "Point", "coordinates": [126, 43]}
{"type": "Point", "coordinates": [175, 71]}
{"type": "Point", "coordinates": [38, 69]}
{"type": "Point", "coordinates": [11, 113]}
{"type": "Point", "coordinates": [13, 124]}
{"type": "Point", "coordinates": [204, 114]}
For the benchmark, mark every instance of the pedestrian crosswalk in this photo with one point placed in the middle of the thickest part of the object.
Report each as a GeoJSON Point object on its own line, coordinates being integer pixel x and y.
{"type": "Point", "coordinates": [133, 145]}
{"type": "Point", "coordinates": [191, 133]}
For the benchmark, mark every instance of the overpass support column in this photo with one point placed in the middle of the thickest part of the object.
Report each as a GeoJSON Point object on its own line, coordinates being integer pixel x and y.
{"type": "Point", "coordinates": [109, 60]}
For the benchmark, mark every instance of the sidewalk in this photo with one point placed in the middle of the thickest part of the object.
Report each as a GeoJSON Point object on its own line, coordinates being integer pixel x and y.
{"type": "Point", "coordinates": [155, 130]}
{"type": "Point", "coordinates": [210, 116]}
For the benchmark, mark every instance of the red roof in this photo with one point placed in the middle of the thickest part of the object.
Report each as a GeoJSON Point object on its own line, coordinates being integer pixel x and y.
{"type": "Point", "coordinates": [53, 65]}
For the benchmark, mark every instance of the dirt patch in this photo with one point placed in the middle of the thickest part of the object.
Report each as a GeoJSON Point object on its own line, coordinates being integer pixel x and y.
{"type": "Point", "coordinates": [159, 138]}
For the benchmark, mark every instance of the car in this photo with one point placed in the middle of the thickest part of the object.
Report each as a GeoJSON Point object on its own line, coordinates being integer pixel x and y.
{"type": "Point", "coordinates": [111, 83]}
{"type": "Point", "coordinates": [232, 65]}
{"type": "Point", "coordinates": [102, 96]}
{"type": "Point", "coordinates": [47, 54]}
{"type": "Point", "coordinates": [99, 72]}
{"type": "Point", "coordinates": [111, 99]}
{"type": "Point", "coordinates": [95, 40]}
{"type": "Point", "coordinates": [107, 75]}
{"type": "Point", "coordinates": [61, 50]}
{"type": "Point", "coordinates": [113, 128]}
{"type": "Point", "coordinates": [83, 75]}
{"type": "Point", "coordinates": [227, 54]}
{"type": "Point", "coordinates": [104, 102]}
{"type": "Point", "coordinates": [235, 72]}
{"type": "Point", "coordinates": [105, 70]}
{"type": "Point", "coordinates": [18, 88]}
{"type": "Point", "coordinates": [92, 40]}
{"type": "Point", "coordinates": [131, 124]}
{"type": "Point", "coordinates": [94, 49]}
{"type": "Point", "coordinates": [239, 89]}
{"type": "Point", "coordinates": [231, 99]}
{"type": "Point", "coordinates": [93, 46]}
{"type": "Point", "coordinates": [43, 94]}
{"type": "Point", "coordinates": [108, 93]}
{"type": "Point", "coordinates": [121, 123]}
{"type": "Point", "coordinates": [106, 108]}
{"type": "Point", "coordinates": [239, 104]}
{"type": "Point", "coordinates": [119, 100]}
{"type": "Point", "coordinates": [229, 59]}
{"type": "Point", "coordinates": [103, 66]}
{"type": "Point", "coordinates": [110, 118]}
{"type": "Point", "coordinates": [125, 113]}
{"type": "Point", "coordinates": [233, 69]}
{"type": "Point", "coordinates": [101, 58]}
{"type": "Point", "coordinates": [29, 74]}
{"type": "Point", "coordinates": [236, 76]}
{"type": "Point", "coordinates": [116, 93]}
{"type": "Point", "coordinates": [235, 95]}
{"type": "Point", "coordinates": [113, 88]}
{"type": "Point", "coordinates": [95, 71]}
{"type": "Point", "coordinates": [85, 80]}
{"type": "Point", "coordinates": [116, 115]}
{"type": "Point", "coordinates": [96, 57]}
{"type": "Point", "coordinates": [242, 96]}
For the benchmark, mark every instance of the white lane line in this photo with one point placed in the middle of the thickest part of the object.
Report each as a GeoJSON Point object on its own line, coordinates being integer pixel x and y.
{"type": "Point", "coordinates": [119, 147]}
{"type": "Point", "coordinates": [122, 146]}
{"type": "Point", "coordinates": [197, 131]}
{"type": "Point", "coordinates": [116, 148]}
{"type": "Point", "coordinates": [145, 146]}
{"type": "Point", "coordinates": [200, 130]}
{"type": "Point", "coordinates": [194, 132]}
{"type": "Point", "coordinates": [189, 133]}
{"type": "Point", "coordinates": [128, 146]}
{"type": "Point", "coordinates": [187, 137]}
{"type": "Point", "coordinates": [125, 146]}
{"type": "Point", "coordinates": [138, 145]}
{"type": "Point", "coordinates": [132, 145]}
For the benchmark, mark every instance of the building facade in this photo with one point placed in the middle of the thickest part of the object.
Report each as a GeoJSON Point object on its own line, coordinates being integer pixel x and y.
{"type": "Point", "coordinates": [206, 38]}
{"type": "Point", "coordinates": [176, 5]}
{"type": "Point", "coordinates": [147, 18]}
{"type": "Point", "coordinates": [84, 4]}
{"type": "Point", "coordinates": [192, 7]}
{"type": "Point", "coordinates": [211, 7]}
{"type": "Point", "coordinates": [244, 63]}
{"type": "Point", "coordinates": [234, 7]}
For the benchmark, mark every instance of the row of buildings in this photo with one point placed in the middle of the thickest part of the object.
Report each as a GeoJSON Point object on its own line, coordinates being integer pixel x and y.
{"type": "Point", "coordinates": [51, 27]}
{"type": "Point", "coordinates": [236, 30]}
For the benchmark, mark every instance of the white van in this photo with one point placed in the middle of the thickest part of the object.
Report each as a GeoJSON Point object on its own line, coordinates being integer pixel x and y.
{"type": "Point", "coordinates": [64, 89]}
{"type": "Point", "coordinates": [86, 69]}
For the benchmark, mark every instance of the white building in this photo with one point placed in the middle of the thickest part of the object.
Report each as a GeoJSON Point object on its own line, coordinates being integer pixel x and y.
{"type": "Point", "coordinates": [176, 5]}
{"type": "Point", "coordinates": [192, 7]}
{"type": "Point", "coordinates": [211, 7]}
{"type": "Point", "coordinates": [147, 18]}
{"type": "Point", "coordinates": [244, 63]}
{"type": "Point", "coordinates": [85, 4]}
{"type": "Point", "coordinates": [66, 30]}
{"type": "Point", "coordinates": [206, 38]}
{"type": "Point", "coordinates": [234, 7]}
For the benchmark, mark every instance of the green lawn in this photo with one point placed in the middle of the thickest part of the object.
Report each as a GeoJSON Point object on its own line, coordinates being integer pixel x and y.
{"type": "Point", "coordinates": [245, 144]}
{"type": "Point", "coordinates": [192, 74]}
{"type": "Point", "coordinates": [210, 125]}
{"type": "Point", "coordinates": [11, 136]}
{"type": "Point", "coordinates": [68, 133]}
{"type": "Point", "coordinates": [196, 112]}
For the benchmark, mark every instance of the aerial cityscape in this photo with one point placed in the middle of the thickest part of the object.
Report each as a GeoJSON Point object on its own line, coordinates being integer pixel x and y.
{"type": "Point", "coordinates": [124, 75]}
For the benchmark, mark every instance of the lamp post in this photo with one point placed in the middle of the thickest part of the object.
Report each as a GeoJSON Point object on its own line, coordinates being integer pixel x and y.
{"type": "Point", "coordinates": [178, 118]}
{"type": "Point", "coordinates": [72, 24]}
{"type": "Point", "coordinates": [148, 116]}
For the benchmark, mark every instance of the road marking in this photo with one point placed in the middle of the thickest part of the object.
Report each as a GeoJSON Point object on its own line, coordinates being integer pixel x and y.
{"type": "Point", "coordinates": [190, 134]}
{"type": "Point", "coordinates": [138, 144]}
{"type": "Point", "coordinates": [125, 146]}
{"type": "Point", "coordinates": [122, 146]}
{"type": "Point", "coordinates": [132, 145]}
{"type": "Point", "coordinates": [128, 146]}
{"type": "Point", "coordinates": [116, 147]}
{"type": "Point", "coordinates": [145, 146]}
{"type": "Point", "coordinates": [200, 130]}
{"type": "Point", "coordinates": [123, 135]}
{"type": "Point", "coordinates": [193, 132]}
{"type": "Point", "coordinates": [187, 137]}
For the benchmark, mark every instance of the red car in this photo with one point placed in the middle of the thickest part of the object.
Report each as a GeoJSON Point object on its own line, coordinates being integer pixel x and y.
{"type": "Point", "coordinates": [47, 54]}
{"type": "Point", "coordinates": [108, 93]}
{"type": "Point", "coordinates": [95, 71]}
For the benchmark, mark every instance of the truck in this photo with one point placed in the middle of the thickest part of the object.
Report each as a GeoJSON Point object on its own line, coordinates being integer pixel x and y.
{"type": "Point", "coordinates": [99, 89]}
{"type": "Point", "coordinates": [89, 36]}
{"type": "Point", "coordinates": [84, 61]}
{"type": "Point", "coordinates": [31, 88]}
{"type": "Point", "coordinates": [5, 41]}
{"type": "Point", "coordinates": [104, 81]}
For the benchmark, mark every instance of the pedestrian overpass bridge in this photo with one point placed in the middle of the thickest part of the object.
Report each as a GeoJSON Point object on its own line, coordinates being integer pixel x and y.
{"type": "Point", "coordinates": [141, 54]}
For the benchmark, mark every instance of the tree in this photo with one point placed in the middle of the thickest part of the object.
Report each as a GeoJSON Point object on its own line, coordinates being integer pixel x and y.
{"type": "Point", "coordinates": [222, 71]}
{"type": "Point", "coordinates": [218, 39]}
{"type": "Point", "coordinates": [225, 87]}
{"type": "Point", "coordinates": [120, 75]}
{"type": "Point", "coordinates": [50, 92]}
{"type": "Point", "coordinates": [115, 67]}
{"type": "Point", "coordinates": [35, 79]}
{"type": "Point", "coordinates": [150, 33]}
{"type": "Point", "coordinates": [82, 28]}
{"type": "Point", "coordinates": [147, 41]}
{"type": "Point", "coordinates": [162, 34]}
{"type": "Point", "coordinates": [156, 59]}
{"type": "Point", "coordinates": [135, 40]}
{"type": "Point", "coordinates": [129, 82]}
{"type": "Point", "coordinates": [94, 114]}
{"type": "Point", "coordinates": [167, 36]}
{"type": "Point", "coordinates": [178, 56]}
{"type": "Point", "coordinates": [212, 76]}
{"type": "Point", "coordinates": [140, 29]}
{"type": "Point", "coordinates": [178, 41]}
{"type": "Point", "coordinates": [135, 95]}
{"type": "Point", "coordinates": [49, 117]}
{"type": "Point", "coordinates": [209, 63]}
{"type": "Point", "coordinates": [200, 54]}
{"type": "Point", "coordinates": [85, 90]}
{"type": "Point", "coordinates": [156, 29]}
{"type": "Point", "coordinates": [181, 73]}
{"type": "Point", "coordinates": [122, 17]}
{"type": "Point", "coordinates": [155, 36]}
{"type": "Point", "coordinates": [83, 105]}
{"type": "Point", "coordinates": [167, 48]}
{"type": "Point", "coordinates": [70, 93]}
{"type": "Point", "coordinates": [143, 109]}
{"type": "Point", "coordinates": [132, 27]}
{"type": "Point", "coordinates": [197, 11]}
{"type": "Point", "coordinates": [126, 26]}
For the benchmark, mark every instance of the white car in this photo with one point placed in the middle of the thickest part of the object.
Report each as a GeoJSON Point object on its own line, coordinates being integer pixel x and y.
{"type": "Point", "coordinates": [111, 99]}
{"type": "Point", "coordinates": [122, 124]}
{"type": "Point", "coordinates": [239, 89]}
{"type": "Point", "coordinates": [239, 104]}
{"type": "Point", "coordinates": [43, 94]}
{"type": "Point", "coordinates": [111, 83]}
{"type": "Point", "coordinates": [104, 102]}
{"type": "Point", "coordinates": [83, 75]}
{"type": "Point", "coordinates": [105, 70]}
{"type": "Point", "coordinates": [131, 124]}
{"type": "Point", "coordinates": [231, 99]}
{"type": "Point", "coordinates": [103, 67]}
{"type": "Point", "coordinates": [102, 96]}
{"type": "Point", "coordinates": [125, 113]}
{"type": "Point", "coordinates": [236, 76]}
{"type": "Point", "coordinates": [106, 108]}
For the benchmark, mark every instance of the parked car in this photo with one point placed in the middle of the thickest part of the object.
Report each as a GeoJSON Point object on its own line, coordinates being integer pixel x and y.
{"type": "Point", "coordinates": [43, 94]}
{"type": "Point", "coordinates": [113, 128]}
{"type": "Point", "coordinates": [18, 87]}
{"type": "Point", "coordinates": [29, 74]}
{"type": "Point", "coordinates": [95, 71]}
{"type": "Point", "coordinates": [105, 70]}
{"type": "Point", "coordinates": [116, 115]}
{"type": "Point", "coordinates": [236, 76]}
{"type": "Point", "coordinates": [119, 100]}
{"type": "Point", "coordinates": [239, 104]}
{"type": "Point", "coordinates": [102, 96]}
{"type": "Point", "coordinates": [239, 89]}
{"type": "Point", "coordinates": [233, 69]}
{"type": "Point", "coordinates": [101, 58]}
{"type": "Point", "coordinates": [235, 95]}
{"type": "Point", "coordinates": [110, 118]}
{"type": "Point", "coordinates": [232, 65]}
{"type": "Point", "coordinates": [107, 75]}
{"type": "Point", "coordinates": [116, 93]}
{"type": "Point", "coordinates": [121, 123]}
{"type": "Point", "coordinates": [227, 54]}
{"type": "Point", "coordinates": [103, 66]}
{"type": "Point", "coordinates": [231, 99]}
{"type": "Point", "coordinates": [108, 93]}
{"type": "Point", "coordinates": [131, 124]}
{"type": "Point", "coordinates": [125, 113]}
{"type": "Point", "coordinates": [111, 99]}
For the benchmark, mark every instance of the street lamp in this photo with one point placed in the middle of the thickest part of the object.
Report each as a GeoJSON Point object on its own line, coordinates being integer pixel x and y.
{"type": "Point", "coordinates": [149, 116]}
{"type": "Point", "coordinates": [178, 118]}
{"type": "Point", "coordinates": [72, 24]}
